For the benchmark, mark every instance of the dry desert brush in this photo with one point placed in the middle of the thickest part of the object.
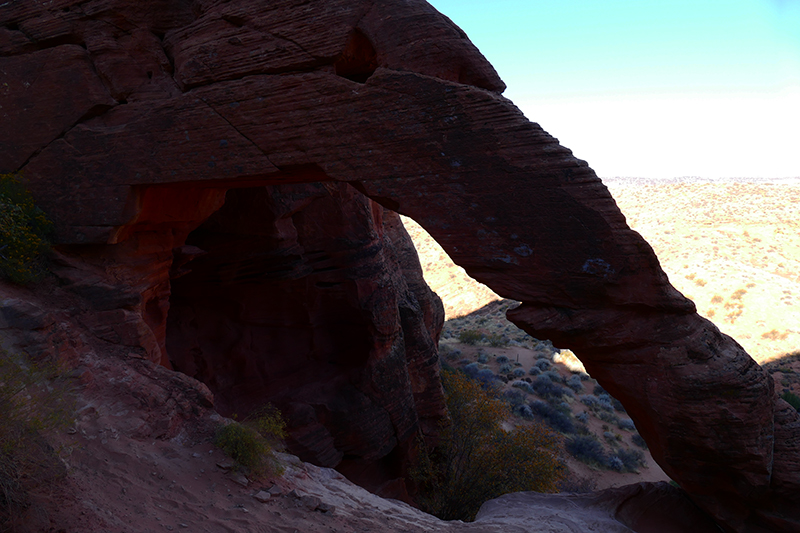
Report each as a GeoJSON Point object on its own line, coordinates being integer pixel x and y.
{"type": "Point", "coordinates": [477, 460]}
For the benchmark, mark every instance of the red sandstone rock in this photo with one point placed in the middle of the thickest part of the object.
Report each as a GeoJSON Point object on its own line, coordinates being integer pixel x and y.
{"type": "Point", "coordinates": [29, 78]}
{"type": "Point", "coordinates": [391, 98]}
{"type": "Point", "coordinates": [300, 300]}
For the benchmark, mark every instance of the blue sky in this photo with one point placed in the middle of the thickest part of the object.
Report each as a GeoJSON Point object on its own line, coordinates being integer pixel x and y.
{"type": "Point", "coordinates": [658, 89]}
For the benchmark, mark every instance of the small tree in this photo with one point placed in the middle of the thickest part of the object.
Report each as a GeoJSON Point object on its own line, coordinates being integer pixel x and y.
{"type": "Point", "coordinates": [478, 460]}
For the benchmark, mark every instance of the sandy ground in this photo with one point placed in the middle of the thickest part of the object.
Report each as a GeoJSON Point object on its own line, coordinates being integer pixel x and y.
{"type": "Point", "coordinates": [122, 485]}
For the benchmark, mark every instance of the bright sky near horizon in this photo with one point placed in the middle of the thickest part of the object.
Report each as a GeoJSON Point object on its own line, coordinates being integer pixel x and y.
{"type": "Point", "coordinates": [647, 88]}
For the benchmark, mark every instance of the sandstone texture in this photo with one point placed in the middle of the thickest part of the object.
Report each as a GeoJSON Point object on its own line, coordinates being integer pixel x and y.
{"type": "Point", "coordinates": [221, 172]}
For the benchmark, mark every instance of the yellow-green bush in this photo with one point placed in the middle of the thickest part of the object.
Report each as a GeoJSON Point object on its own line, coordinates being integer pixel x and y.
{"type": "Point", "coordinates": [251, 442]}
{"type": "Point", "coordinates": [477, 459]}
{"type": "Point", "coordinates": [33, 398]}
{"type": "Point", "coordinates": [470, 336]}
{"type": "Point", "coordinates": [23, 232]}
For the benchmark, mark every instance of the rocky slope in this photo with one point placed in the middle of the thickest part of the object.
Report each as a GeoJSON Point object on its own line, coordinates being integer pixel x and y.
{"type": "Point", "coordinates": [139, 459]}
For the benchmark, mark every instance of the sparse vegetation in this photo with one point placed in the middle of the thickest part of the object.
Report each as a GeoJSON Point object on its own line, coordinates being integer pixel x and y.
{"type": "Point", "coordinates": [449, 353]}
{"type": "Point", "coordinates": [774, 335]}
{"type": "Point", "coordinates": [477, 459]}
{"type": "Point", "coordinates": [497, 341]}
{"type": "Point", "coordinates": [575, 383]}
{"type": "Point", "coordinates": [24, 231]}
{"type": "Point", "coordinates": [631, 460]}
{"type": "Point", "coordinates": [792, 399]}
{"type": "Point", "coordinates": [34, 398]}
{"type": "Point", "coordinates": [251, 443]}
{"type": "Point", "coordinates": [545, 388]}
{"type": "Point", "coordinates": [588, 449]}
{"type": "Point", "coordinates": [558, 419]}
{"type": "Point", "coordinates": [639, 441]}
{"type": "Point", "coordinates": [470, 336]}
{"type": "Point", "coordinates": [738, 294]}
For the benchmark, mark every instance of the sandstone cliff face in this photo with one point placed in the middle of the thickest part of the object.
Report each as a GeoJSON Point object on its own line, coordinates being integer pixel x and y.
{"type": "Point", "coordinates": [150, 114]}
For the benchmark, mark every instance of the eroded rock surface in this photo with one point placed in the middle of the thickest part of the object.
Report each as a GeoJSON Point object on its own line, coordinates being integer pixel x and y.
{"type": "Point", "coordinates": [152, 112]}
{"type": "Point", "coordinates": [302, 296]}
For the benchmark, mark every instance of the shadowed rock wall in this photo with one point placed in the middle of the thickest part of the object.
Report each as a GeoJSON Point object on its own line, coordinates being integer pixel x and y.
{"type": "Point", "coordinates": [301, 295]}
{"type": "Point", "coordinates": [177, 102]}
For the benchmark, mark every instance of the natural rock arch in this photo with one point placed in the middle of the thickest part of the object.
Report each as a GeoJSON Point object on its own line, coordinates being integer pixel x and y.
{"type": "Point", "coordinates": [165, 106]}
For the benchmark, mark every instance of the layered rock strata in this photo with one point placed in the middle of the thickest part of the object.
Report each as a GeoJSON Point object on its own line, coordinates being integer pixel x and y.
{"type": "Point", "coordinates": [149, 113]}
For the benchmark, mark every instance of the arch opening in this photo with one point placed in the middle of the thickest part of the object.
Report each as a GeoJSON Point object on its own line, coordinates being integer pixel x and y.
{"type": "Point", "coordinates": [306, 296]}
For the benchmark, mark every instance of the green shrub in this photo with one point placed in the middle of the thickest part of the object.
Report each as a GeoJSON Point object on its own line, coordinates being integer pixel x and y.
{"type": "Point", "coordinates": [470, 336]}
{"type": "Point", "coordinates": [559, 420]}
{"type": "Point", "coordinates": [792, 399]}
{"type": "Point", "coordinates": [497, 341]}
{"type": "Point", "coordinates": [23, 233]}
{"type": "Point", "coordinates": [478, 460]}
{"type": "Point", "coordinates": [251, 443]}
{"type": "Point", "coordinates": [33, 398]}
{"type": "Point", "coordinates": [588, 449]}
